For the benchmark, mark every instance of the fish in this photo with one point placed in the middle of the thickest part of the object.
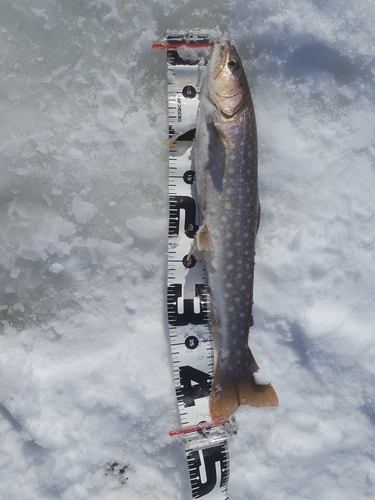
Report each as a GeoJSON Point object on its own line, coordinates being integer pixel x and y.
{"type": "Point", "coordinates": [225, 157]}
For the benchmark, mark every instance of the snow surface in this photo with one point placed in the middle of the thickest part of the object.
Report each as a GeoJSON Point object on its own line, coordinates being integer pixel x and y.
{"type": "Point", "coordinates": [85, 371]}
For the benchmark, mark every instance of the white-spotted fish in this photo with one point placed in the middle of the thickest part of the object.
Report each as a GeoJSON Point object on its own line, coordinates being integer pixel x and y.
{"type": "Point", "coordinates": [227, 183]}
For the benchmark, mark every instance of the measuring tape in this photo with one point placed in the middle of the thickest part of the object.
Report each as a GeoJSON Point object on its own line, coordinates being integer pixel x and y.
{"type": "Point", "coordinates": [191, 341]}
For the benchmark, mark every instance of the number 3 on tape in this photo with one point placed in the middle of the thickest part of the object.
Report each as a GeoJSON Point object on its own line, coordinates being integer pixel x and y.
{"type": "Point", "coordinates": [205, 442]}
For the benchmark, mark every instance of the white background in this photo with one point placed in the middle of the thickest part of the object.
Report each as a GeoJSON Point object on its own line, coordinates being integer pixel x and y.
{"type": "Point", "coordinates": [85, 371]}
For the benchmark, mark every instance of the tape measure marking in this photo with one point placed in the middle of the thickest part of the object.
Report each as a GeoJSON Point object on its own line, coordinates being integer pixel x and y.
{"type": "Point", "coordinates": [188, 308]}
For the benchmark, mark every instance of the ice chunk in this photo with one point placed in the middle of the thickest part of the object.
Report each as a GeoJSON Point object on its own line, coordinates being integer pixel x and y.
{"type": "Point", "coordinates": [83, 210]}
{"type": "Point", "coordinates": [262, 378]}
{"type": "Point", "coordinates": [145, 227]}
{"type": "Point", "coordinates": [56, 268]}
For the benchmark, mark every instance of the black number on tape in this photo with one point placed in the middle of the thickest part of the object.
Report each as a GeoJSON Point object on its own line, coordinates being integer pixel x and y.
{"type": "Point", "coordinates": [176, 204]}
{"type": "Point", "coordinates": [203, 476]}
{"type": "Point", "coordinates": [191, 342]}
{"type": "Point", "coordinates": [187, 315]}
{"type": "Point", "coordinates": [201, 388]}
{"type": "Point", "coordinates": [189, 176]}
{"type": "Point", "coordinates": [189, 92]}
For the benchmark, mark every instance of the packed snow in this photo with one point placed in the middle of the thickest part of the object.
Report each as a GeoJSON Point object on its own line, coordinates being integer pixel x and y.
{"type": "Point", "coordinates": [86, 388]}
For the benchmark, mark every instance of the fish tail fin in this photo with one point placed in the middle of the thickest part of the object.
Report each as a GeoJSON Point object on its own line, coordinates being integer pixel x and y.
{"type": "Point", "coordinates": [234, 385]}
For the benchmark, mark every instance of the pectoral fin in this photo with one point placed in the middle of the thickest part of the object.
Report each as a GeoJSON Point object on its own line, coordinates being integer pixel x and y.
{"type": "Point", "coordinates": [203, 239]}
{"type": "Point", "coordinates": [187, 134]}
{"type": "Point", "coordinates": [193, 248]}
{"type": "Point", "coordinates": [169, 142]}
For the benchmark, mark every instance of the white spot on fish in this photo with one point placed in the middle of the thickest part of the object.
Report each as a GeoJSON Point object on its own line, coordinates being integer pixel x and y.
{"type": "Point", "coordinates": [230, 253]}
{"type": "Point", "coordinates": [229, 267]}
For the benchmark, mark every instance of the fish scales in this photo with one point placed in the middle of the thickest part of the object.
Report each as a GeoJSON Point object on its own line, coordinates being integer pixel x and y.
{"type": "Point", "coordinates": [227, 183]}
{"type": "Point", "coordinates": [229, 197]}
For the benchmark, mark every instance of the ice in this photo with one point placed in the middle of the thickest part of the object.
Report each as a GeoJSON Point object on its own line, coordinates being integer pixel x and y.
{"type": "Point", "coordinates": [85, 368]}
{"type": "Point", "coordinates": [262, 378]}
{"type": "Point", "coordinates": [56, 268]}
{"type": "Point", "coordinates": [83, 210]}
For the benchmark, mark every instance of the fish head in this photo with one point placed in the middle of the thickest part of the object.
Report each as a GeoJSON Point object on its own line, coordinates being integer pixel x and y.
{"type": "Point", "coordinates": [226, 82]}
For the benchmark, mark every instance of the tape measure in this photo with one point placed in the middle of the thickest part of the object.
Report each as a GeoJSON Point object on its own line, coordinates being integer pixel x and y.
{"type": "Point", "coordinates": [205, 442]}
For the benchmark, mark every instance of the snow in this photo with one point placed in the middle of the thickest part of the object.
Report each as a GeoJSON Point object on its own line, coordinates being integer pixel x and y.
{"type": "Point", "coordinates": [85, 370]}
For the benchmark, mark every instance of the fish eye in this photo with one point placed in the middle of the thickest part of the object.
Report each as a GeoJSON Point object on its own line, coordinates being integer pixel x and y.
{"type": "Point", "coordinates": [233, 63]}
